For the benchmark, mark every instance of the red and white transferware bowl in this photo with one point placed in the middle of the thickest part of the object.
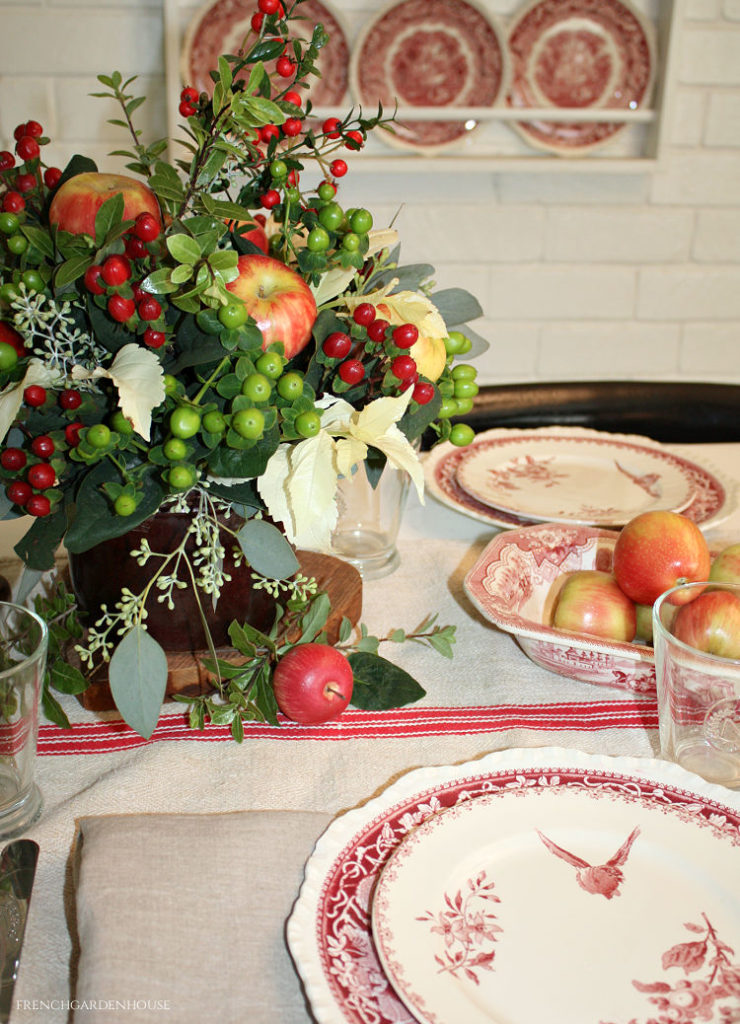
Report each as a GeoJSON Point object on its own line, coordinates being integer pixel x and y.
{"type": "Point", "coordinates": [222, 26]}
{"type": "Point", "coordinates": [429, 53]}
{"type": "Point", "coordinates": [515, 583]}
{"type": "Point", "coordinates": [579, 54]}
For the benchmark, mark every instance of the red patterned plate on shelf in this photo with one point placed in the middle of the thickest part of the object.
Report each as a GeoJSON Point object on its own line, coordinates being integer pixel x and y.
{"type": "Point", "coordinates": [429, 53]}
{"type": "Point", "coordinates": [579, 54]}
{"type": "Point", "coordinates": [657, 885]}
{"type": "Point", "coordinates": [223, 26]}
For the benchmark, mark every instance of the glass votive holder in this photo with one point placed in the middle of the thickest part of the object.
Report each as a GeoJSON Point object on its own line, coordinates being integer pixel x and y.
{"type": "Point", "coordinates": [698, 691]}
{"type": "Point", "coordinates": [23, 647]}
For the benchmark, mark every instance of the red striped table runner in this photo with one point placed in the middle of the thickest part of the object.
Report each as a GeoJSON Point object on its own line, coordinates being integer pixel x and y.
{"type": "Point", "coordinates": [105, 737]}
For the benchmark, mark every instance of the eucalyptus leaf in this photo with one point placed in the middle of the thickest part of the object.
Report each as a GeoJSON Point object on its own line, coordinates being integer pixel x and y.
{"type": "Point", "coordinates": [267, 550]}
{"type": "Point", "coordinates": [379, 684]}
{"type": "Point", "coordinates": [138, 678]}
{"type": "Point", "coordinates": [456, 306]}
{"type": "Point", "coordinates": [30, 578]}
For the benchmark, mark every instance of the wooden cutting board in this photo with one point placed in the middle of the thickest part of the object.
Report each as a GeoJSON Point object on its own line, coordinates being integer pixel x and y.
{"type": "Point", "coordinates": [186, 674]}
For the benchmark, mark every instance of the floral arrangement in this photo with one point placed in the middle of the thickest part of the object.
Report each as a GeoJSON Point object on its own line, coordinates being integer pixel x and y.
{"type": "Point", "coordinates": [215, 335]}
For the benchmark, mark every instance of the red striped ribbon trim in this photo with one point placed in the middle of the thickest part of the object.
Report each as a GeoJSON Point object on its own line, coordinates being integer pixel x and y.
{"type": "Point", "coordinates": [105, 737]}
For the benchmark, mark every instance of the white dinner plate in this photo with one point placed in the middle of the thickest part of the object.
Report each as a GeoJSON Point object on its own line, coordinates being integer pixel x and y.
{"type": "Point", "coordinates": [576, 479]}
{"type": "Point", "coordinates": [713, 500]}
{"type": "Point", "coordinates": [676, 871]}
{"type": "Point", "coordinates": [611, 892]}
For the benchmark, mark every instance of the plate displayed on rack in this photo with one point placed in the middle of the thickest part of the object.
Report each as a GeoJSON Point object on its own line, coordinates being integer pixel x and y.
{"type": "Point", "coordinates": [221, 26]}
{"type": "Point", "coordinates": [579, 54]}
{"type": "Point", "coordinates": [713, 496]}
{"type": "Point", "coordinates": [650, 883]}
{"type": "Point", "coordinates": [574, 479]}
{"type": "Point", "coordinates": [429, 53]}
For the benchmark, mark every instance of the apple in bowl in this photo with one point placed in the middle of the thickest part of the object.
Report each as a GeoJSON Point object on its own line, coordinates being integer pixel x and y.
{"type": "Point", "coordinates": [591, 602]}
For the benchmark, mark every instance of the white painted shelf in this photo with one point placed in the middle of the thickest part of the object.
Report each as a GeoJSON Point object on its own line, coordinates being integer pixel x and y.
{"type": "Point", "coordinates": [494, 145]}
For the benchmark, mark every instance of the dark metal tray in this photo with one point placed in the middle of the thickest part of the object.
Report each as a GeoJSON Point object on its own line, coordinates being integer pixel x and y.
{"type": "Point", "coordinates": [673, 412]}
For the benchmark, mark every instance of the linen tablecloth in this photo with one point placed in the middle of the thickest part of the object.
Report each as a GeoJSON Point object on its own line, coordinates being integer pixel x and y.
{"type": "Point", "coordinates": [489, 697]}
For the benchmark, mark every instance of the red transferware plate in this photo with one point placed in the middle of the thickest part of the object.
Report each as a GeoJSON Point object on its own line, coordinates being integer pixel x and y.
{"type": "Point", "coordinates": [429, 53]}
{"type": "Point", "coordinates": [223, 26]}
{"type": "Point", "coordinates": [579, 54]}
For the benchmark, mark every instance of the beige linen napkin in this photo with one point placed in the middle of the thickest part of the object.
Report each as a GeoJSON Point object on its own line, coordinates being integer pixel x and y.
{"type": "Point", "coordinates": [182, 917]}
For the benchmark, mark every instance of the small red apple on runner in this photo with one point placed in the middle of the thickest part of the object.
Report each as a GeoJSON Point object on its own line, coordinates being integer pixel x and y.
{"type": "Point", "coordinates": [312, 683]}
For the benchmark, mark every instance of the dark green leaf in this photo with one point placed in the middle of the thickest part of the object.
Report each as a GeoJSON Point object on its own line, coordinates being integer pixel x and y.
{"type": "Point", "coordinates": [38, 545]}
{"type": "Point", "coordinates": [67, 679]}
{"type": "Point", "coordinates": [71, 269]}
{"type": "Point", "coordinates": [379, 684]}
{"type": "Point", "coordinates": [109, 217]}
{"type": "Point", "coordinates": [53, 710]}
{"type": "Point", "coordinates": [138, 678]}
{"type": "Point", "coordinates": [93, 519]}
{"type": "Point", "coordinates": [315, 618]}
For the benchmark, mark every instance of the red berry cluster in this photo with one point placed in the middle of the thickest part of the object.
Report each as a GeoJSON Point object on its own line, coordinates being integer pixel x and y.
{"type": "Point", "coordinates": [125, 300]}
{"type": "Point", "coordinates": [384, 354]}
{"type": "Point", "coordinates": [24, 186]}
{"type": "Point", "coordinates": [188, 101]}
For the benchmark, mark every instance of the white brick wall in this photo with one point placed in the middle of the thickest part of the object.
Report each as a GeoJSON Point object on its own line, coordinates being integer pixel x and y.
{"type": "Point", "coordinates": [580, 275]}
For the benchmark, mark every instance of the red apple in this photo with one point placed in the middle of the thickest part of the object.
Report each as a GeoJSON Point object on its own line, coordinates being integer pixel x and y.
{"type": "Point", "coordinates": [726, 565]}
{"type": "Point", "coordinates": [591, 602]}
{"type": "Point", "coordinates": [77, 201]}
{"type": "Point", "coordinates": [278, 299]}
{"type": "Point", "coordinates": [256, 234]}
{"type": "Point", "coordinates": [711, 623]}
{"type": "Point", "coordinates": [312, 683]}
{"type": "Point", "coordinates": [656, 551]}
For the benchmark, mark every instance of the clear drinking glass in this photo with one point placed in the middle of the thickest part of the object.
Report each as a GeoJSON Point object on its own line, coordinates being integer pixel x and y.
{"type": "Point", "coordinates": [369, 520]}
{"type": "Point", "coordinates": [23, 646]}
{"type": "Point", "coordinates": [698, 695]}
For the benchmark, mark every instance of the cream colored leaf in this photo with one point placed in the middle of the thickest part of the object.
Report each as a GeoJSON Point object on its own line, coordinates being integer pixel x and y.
{"type": "Point", "coordinates": [272, 488]}
{"type": "Point", "coordinates": [396, 448]}
{"type": "Point", "coordinates": [348, 451]}
{"type": "Point", "coordinates": [377, 417]}
{"type": "Point", "coordinates": [332, 284]}
{"type": "Point", "coordinates": [334, 411]}
{"type": "Point", "coordinates": [299, 488]}
{"type": "Point", "coordinates": [139, 378]}
{"type": "Point", "coordinates": [12, 398]}
{"type": "Point", "coordinates": [383, 238]}
{"type": "Point", "coordinates": [312, 490]}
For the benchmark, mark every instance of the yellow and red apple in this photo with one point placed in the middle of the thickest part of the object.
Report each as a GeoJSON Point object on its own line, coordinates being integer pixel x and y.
{"type": "Point", "coordinates": [278, 300]}
{"type": "Point", "coordinates": [711, 623]}
{"type": "Point", "coordinates": [77, 201]}
{"type": "Point", "coordinates": [591, 602]}
{"type": "Point", "coordinates": [658, 550]}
